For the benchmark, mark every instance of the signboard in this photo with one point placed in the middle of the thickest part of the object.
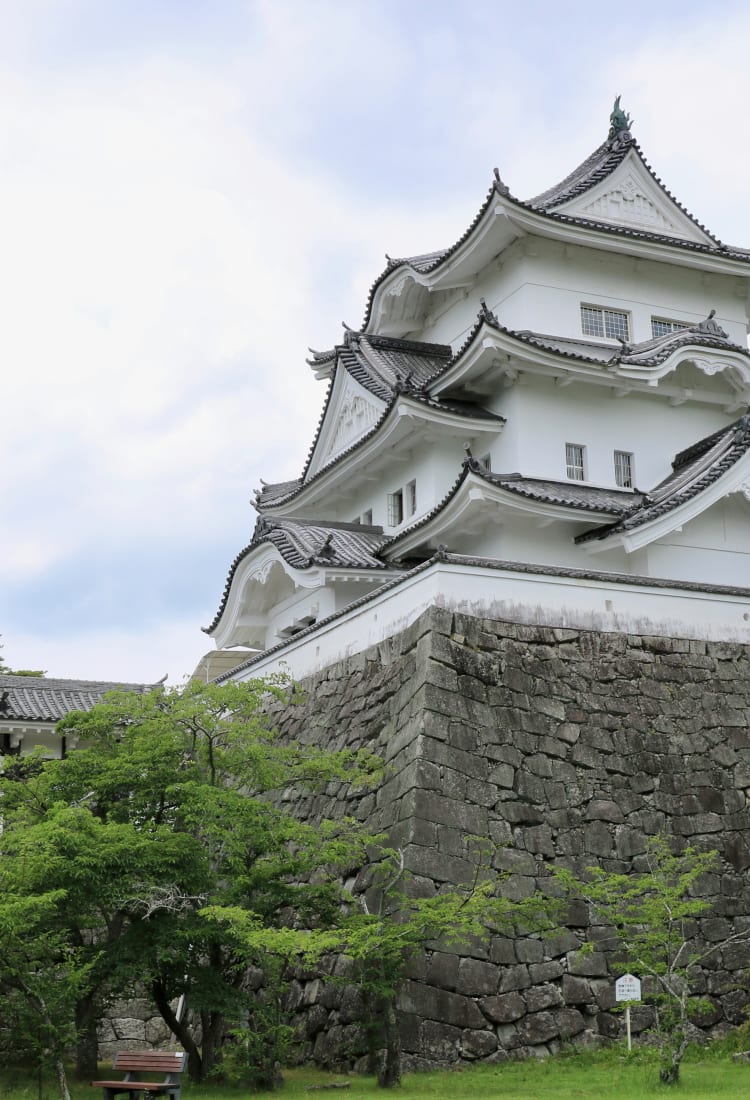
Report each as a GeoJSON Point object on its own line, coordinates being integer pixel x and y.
{"type": "Point", "coordinates": [628, 988]}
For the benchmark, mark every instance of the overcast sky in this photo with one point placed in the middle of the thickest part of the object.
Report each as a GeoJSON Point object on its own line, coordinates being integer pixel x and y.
{"type": "Point", "coordinates": [192, 192]}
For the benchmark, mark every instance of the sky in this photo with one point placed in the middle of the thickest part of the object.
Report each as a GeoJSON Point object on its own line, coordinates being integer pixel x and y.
{"type": "Point", "coordinates": [193, 192]}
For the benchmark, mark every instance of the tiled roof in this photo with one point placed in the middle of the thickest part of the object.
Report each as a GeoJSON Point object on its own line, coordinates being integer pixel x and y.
{"type": "Point", "coordinates": [596, 167]}
{"type": "Point", "coordinates": [304, 544]}
{"type": "Point", "coordinates": [388, 368]}
{"type": "Point", "coordinates": [647, 353]}
{"type": "Point", "coordinates": [568, 494]}
{"type": "Point", "coordinates": [43, 699]}
{"type": "Point", "coordinates": [384, 365]}
{"type": "Point", "coordinates": [693, 471]}
{"type": "Point", "coordinates": [588, 498]}
{"type": "Point", "coordinates": [600, 164]}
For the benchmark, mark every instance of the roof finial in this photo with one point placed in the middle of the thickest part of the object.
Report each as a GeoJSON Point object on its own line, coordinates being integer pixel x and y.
{"type": "Point", "coordinates": [485, 313]}
{"type": "Point", "coordinates": [619, 122]}
{"type": "Point", "coordinates": [500, 186]}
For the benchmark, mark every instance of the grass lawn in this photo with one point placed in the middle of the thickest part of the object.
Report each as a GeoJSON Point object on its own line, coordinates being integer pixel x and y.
{"type": "Point", "coordinates": [570, 1077]}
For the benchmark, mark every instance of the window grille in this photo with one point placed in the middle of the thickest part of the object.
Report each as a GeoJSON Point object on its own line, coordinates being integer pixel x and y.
{"type": "Point", "coordinates": [486, 461]}
{"type": "Point", "coordinates": [624, 469]}
{"type": "Point", "coordinates": [396, 508]}
{"type": "Point", "coordinates": [574, 461]}
{"type": "Point", "coordinates": [609, 323]}
{"type": "Point", "coordinates": [660, 326]}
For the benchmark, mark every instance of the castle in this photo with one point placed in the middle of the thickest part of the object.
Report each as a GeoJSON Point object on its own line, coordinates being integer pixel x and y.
{"type": "Point", "coordinates": [516, 565]}
{"type": "Point", "coordinates": [546, 420]}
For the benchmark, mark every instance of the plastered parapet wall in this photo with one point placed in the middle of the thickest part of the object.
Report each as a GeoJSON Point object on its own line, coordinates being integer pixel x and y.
{"type": "Point", "coordinates": [561, 746]}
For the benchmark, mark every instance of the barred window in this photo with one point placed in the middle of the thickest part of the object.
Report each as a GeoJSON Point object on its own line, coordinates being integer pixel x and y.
{"type": "Point", "coordinates": [575, 456]}
{"type": "Point", "coordinates": [610, 323]}
{"type": "Point", "coordinates": [411, 498]}
{"type": "Point", "coordinates": [396, 508]}
{"type": "Point", "coordinates": [624, 469]}
{"type": "Point", "coordinates": [660, 326]}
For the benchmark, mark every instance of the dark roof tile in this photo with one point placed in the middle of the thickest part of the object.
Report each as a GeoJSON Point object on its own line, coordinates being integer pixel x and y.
{"type": "Point", "coordinates": [45, 699]}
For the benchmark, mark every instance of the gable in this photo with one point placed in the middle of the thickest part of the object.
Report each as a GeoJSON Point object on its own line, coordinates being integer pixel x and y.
{"type": "Point", "coordinates": [630, 196]}
{"type": "Point", "coordinates": [352, 411]}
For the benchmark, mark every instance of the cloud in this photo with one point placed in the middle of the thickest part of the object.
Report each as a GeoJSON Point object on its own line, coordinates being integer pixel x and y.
{"type": "Point", "coordinates": [188, 201]}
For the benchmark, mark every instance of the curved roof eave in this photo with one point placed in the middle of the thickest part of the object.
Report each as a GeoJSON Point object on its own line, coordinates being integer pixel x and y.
{"type": "Point", "coordinates": [422, 405]}
{"type": "Point", "coordinates": [263, 540]}
{"type": "Point", "coordinates": [522, 489]}
{"type": "Point", "coordinates": [423, 267]}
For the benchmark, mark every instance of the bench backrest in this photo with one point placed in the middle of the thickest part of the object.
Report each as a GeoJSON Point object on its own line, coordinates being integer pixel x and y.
{"type": "Point", "coordinates": [162, 1061]}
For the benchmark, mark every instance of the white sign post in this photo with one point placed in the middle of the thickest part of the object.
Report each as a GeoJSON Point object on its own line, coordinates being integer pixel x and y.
{"type": "Point", "coordinates": [628, 988]}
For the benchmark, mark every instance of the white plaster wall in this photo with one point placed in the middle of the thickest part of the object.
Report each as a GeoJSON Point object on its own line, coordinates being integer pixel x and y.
{"type": "Point", "coordinates": [542, 418]}
{"type": "Point", "coordinates": [601, 604]}
{"type": "Point", "coordinates": [713, 547]}
{"type": "Point", "coordinates": [540, 285]}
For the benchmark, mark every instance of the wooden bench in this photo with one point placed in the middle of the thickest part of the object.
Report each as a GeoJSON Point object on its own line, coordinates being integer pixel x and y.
{"type": "Point", "coordinates": [135, 1062]}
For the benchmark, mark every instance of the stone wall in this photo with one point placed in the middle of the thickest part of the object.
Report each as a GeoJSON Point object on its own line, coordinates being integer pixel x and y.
{"type": "Point", "coordinates": [565, 747]}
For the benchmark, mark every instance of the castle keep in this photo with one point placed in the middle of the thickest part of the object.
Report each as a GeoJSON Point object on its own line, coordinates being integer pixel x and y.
{"type": "Point", "coordinates": [516, 564]}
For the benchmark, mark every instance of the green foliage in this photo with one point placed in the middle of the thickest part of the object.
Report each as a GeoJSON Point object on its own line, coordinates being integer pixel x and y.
{"type": "Point", "coordinates": [167, 810]}
{"type": "Point", "coordinates": [653, 915]}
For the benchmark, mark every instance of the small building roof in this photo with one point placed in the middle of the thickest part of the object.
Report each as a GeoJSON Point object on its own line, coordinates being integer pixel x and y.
{"type": "Point", "coordinates": [694, 470]}
{"type": "Point", "coordinates": [45, 699]}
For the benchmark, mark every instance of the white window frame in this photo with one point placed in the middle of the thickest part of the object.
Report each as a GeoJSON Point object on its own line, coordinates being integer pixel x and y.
{"type": "Point", "coordinates": [402, 503]}
{"type": "Point", "coordinates": [624, 469]}
{"type": "Point", "coordinates": [396, 508]}
{"type": "Point", "coordinates": [668, 324]}
{"type": "Point", "coordinates": [607, 329]}
{"type": "Point", "coordinates": [575, 470]}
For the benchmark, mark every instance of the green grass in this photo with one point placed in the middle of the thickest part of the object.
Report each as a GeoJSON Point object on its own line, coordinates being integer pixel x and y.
{"type": "Point", "coordinates": [607, 1076]}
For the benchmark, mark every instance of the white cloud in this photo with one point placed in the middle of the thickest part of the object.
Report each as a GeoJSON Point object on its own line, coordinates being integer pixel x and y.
{"type": "Point", "coordinates": [178, 223]}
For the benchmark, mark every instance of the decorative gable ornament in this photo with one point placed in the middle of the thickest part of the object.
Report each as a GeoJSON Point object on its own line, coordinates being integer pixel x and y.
{"type": "Point", "coordinates": [352, 414]}
{"type": "Point", "coordinates": [631, 196]}
{"type": "Point", "coordinates": [627, 203]}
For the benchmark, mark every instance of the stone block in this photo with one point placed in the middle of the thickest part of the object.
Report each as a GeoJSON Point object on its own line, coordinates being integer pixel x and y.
{"type": "Point", "coordinates": [545, 971]}
{"type": "Point", "coordinates": [602, 809]}
{"type": "Point", "coordinates": [540, 997]}
{"type": "Point", "coordinates": [538, 1027]}
{"type": "Point", "coordinates": [442, 970]}
{"type": "Point", "coordinates": [575, 990]}
{"type": "Point", "coordinates": [477, 978]}
{"type": "Point", "coordinates": [570, 1022]}
{"type": "Point", "coordinates": [478, 1044]}
{"type": "Point", "coordinates": [513, 978]}
{"type": "Point", "coordinates": [441, 1042]}
{"type": "Point", "coordinates": [503, 1009]}
{"type": "Point", "coordinates": [439, 1005]}
{"type": "Point", "coordinates": [589, 965]}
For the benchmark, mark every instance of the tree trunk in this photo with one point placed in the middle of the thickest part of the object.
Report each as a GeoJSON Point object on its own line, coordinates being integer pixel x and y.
{"type": "Point", "coordinates": [87, 1041]}
{"type": "Point", "coordinates": [213, 1026]}
{"type": "Point", "coordinates": [180, 1030]}
{"type": "Point", "coordinates": [670, 1074]}
{"type": "Point", "coordinates": [390, 1069]}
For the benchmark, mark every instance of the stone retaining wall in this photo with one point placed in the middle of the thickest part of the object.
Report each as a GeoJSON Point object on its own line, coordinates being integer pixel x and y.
{"type": "Point", "coordinates": [564, 747]}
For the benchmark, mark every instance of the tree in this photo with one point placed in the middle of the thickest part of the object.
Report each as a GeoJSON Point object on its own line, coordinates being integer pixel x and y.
{"type": "Point", "coordinates": [383, 928]}
{"type": "Point", "coordinates": [652, 914]}
{"type": "Point", "coordinates": [167, 810]}
{"type": "Point", "coordinates": [39, 976]}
